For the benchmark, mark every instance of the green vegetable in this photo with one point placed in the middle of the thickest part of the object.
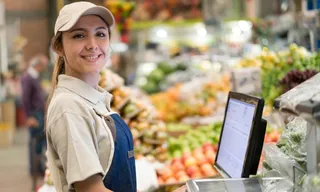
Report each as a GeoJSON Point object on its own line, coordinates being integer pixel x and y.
{"type": "Point", "coordinates": [296, 137]}
{"type": "Point", "coordinates": [315, 181]}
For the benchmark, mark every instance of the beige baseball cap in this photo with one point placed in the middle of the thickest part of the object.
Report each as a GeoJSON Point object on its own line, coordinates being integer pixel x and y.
{"type": "Point", "coordinates": [70, 14]}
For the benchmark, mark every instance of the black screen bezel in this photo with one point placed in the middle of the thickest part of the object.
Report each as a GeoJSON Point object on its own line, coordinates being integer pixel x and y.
{"type": "Point", "coordinates": [259, 103]}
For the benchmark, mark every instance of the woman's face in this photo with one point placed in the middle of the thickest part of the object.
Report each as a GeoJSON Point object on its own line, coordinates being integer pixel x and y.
{"type": "Point", "coordinates": [86, 46]}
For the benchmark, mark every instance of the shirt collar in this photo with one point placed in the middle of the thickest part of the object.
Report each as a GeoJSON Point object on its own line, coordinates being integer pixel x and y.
{"type": "Point", "coordinates": [83, 89]}
{"type": "Point", "coordinates": [33, 73]}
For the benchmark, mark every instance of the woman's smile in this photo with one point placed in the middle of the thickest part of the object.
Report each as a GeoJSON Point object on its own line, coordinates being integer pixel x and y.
{"type": "Point", "coordinates": [92, 58]}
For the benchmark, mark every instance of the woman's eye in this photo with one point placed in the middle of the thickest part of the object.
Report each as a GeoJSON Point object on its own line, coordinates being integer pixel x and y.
{"type": "Point", "coordinates": [101, 34]}
{"type": "Point", "coordinates": [77, 36]}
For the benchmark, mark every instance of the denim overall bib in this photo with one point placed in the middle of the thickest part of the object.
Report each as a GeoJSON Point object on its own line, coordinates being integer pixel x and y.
{"type": "Point", "coordinates": [122, 173]}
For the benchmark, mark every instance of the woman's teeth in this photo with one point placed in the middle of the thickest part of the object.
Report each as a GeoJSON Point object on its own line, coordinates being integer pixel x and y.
{"type": "Point", "coordinates": [92, 57]}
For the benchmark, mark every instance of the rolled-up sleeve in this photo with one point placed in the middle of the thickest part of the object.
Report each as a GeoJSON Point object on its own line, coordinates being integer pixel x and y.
{"type": "Point", "coordinates": [73, 139]}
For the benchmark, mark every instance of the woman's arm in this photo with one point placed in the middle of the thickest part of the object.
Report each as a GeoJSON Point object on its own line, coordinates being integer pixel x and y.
{"type": "Point", "coordinates": [91, 184]}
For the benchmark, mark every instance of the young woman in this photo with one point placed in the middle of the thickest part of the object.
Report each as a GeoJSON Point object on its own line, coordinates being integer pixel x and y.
{"type": "Point", "coordinates": [90, 148]}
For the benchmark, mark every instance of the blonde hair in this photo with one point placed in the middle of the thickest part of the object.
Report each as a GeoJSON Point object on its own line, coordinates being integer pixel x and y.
{"type": "Point", "coordinates": [59, 66]}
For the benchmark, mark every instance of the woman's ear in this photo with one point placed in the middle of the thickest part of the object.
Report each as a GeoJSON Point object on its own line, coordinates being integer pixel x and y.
{"type": "Point", "coordinates": [59, 52]}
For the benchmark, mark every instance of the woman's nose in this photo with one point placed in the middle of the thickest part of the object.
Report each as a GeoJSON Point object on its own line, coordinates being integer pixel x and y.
{"type": "Point", "coordinates": [92, 44]}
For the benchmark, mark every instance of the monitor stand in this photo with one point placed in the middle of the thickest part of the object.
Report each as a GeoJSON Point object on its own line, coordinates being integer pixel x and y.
{"type": "Point", "coordinates": [258, 147]}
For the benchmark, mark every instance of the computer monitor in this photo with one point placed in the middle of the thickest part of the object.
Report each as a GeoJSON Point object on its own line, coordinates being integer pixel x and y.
{"type": "Point", "coordinates": [241, 137]}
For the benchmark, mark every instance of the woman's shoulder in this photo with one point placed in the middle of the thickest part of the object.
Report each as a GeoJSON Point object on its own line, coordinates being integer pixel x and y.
{"type": "Point", "coordinates": [66, 102]}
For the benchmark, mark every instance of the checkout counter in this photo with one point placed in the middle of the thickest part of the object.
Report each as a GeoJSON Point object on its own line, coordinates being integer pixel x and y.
{"type": "Point", "coordinates": [242, 185]}
{"type": "Point", "coordinates": [239, 151]}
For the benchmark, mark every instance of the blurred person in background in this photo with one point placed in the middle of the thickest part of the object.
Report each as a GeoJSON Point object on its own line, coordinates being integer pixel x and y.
{"type": "Point", "coordinates": [33, 101]}
{"type": "Point", "coordinates": [124, 65]}
{"type": "Point", "coordinates": [118, 65]}
{"type": "Point", "coordinates": [3, 87]}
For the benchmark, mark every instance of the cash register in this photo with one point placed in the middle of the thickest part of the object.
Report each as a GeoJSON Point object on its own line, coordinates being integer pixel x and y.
{"type": "Point", "coordinates": [239, 149]}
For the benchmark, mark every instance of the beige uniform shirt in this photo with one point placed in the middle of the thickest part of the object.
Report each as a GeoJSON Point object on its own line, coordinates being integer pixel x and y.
{"type": "Point", "coordinates": [80, 140]}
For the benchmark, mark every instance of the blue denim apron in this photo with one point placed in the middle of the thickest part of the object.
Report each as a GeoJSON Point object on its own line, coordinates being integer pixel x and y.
{"type": "Point", "coordinates": [122, 173]}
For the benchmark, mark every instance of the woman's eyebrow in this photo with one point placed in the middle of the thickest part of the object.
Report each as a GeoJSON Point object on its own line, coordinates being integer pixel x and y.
{"type": "Point", "coordinates": [83, 29]}
{"type": "Point", "coordinates": [101, 28]}
{"type": "Point", "coordinates": [78, 29]}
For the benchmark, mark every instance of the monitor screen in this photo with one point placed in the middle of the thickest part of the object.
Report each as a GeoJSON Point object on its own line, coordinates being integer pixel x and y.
{"type": "Point", "coordinates": [237, 142]}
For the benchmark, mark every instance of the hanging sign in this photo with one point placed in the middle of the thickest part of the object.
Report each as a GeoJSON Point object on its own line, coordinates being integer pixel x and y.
{"type": "Point", "coordinates": [247, 80]}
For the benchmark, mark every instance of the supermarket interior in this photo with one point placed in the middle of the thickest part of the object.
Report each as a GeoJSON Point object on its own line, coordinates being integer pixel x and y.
{"type": "Point", "coordinates": [216, 95]}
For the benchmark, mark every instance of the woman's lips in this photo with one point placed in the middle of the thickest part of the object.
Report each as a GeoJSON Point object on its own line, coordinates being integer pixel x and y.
{"type": "Point", "coordinates": [92, 58]}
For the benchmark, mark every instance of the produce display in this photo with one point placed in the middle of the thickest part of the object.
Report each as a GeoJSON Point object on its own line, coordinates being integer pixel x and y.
{"type": "Point", "coordinates": [180, 104]}
{"type": "Point", "coordinates": [196, 164]}
{"type": "Point", "coordinates": [292, 142]}
{"type": "Point", "coordinates": [193, 139]}
{"type": "Point", "coordinates": [122, 11]}
{"type": "Point", "coordinates": [275, 66]}
{"type": "Point", "coordinates": [272, 135]}
{"type": "Point", "coordinates": [295, 77]}
{"type": "Point", "coordinates": [289, 152]}
{"type": "Point", "coordinates": [177, 127]}
{"type": "Point", "coordinates": [110, 80]}
{"type": "Point", "coordinates": [158, 76]}
{"type": "Point", "coordinates": [167, 10]}
{"type": "Point", "coordinates": [149, 133]}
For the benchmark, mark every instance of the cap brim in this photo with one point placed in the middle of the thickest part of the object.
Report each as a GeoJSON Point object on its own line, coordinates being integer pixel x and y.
{"type": "Point", "coordinates": [104, 13]}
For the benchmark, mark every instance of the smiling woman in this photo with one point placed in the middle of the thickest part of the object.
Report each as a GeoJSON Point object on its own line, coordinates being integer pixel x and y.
{"type": "Point", "coordinates": [90, 148]}
{"type": "Point", "coordinates": [85, 48]}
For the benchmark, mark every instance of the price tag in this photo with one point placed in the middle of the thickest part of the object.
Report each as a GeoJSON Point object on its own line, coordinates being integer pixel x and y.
{"type": "Point", "coordinates": [247, 80]}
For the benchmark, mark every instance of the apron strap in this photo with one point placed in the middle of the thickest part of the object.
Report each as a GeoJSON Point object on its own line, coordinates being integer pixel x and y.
{"type": "Point", "coordinates": [110, 124]}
